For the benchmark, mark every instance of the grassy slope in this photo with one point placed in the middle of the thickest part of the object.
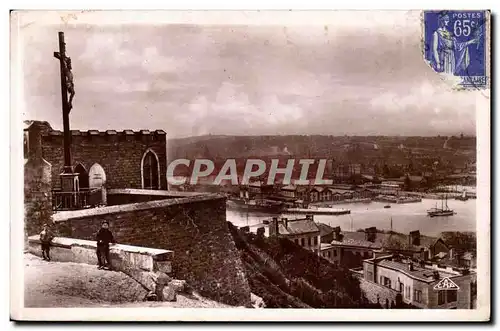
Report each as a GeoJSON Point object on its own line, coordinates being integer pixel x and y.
{"type": "Point", "coordinates": [288, 276]}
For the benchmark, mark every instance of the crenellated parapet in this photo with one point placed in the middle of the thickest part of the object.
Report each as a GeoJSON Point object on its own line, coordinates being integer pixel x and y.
{"type": "Point", "coordinates": [120, 153]}
{"type": "Point", "coordinates": [111, 135]}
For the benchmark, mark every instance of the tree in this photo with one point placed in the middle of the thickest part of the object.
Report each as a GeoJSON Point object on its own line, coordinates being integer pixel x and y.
{"type": "Point", "coordinates": [386, 170]}
{"type": "Point", "coordinates": [461, 241]}
{"type": "Point", "coordinates": [393, 243]}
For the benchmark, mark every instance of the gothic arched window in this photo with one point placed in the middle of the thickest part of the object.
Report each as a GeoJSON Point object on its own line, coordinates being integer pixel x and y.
{"type": "Point", "coordinates": [150, 171]}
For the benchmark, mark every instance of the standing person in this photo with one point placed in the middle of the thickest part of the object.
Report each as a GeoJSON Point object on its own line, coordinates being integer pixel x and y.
{"type": "Point", "coordinates": [45, 238]}
{"type": "Point", "coordinates": [104, 238]}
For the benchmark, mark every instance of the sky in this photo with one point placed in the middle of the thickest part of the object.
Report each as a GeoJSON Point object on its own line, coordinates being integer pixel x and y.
{"type": "Point", "coordinates": [350, 73]}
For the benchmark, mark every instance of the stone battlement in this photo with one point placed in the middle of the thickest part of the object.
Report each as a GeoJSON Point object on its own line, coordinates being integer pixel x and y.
{"type": "Point", "coordinates": [106, 133]}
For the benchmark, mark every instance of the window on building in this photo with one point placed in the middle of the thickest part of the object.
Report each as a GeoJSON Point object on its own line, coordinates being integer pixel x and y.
{"type": "Point", "coordinates": [335, 253]}
{"type": "Point", "coordinates": [296, 241]}
{"type": "Point", "coordinates": [309, 241]}
{"type": "Point", "coordinates": [315, 241]}
{"type": "Point", "coordinates": [451, 296]}
{"type": "Point", "coordinates": [370, 275]}
{"type": "Point", "coordinates": [385, 281]}
{"type": "Point", "coordinates": [302, 242]}
{"type": "Point", "coordinates": [441, 297]}
{"type": "Point", "coordinates": [417, 296]}
{"type": "Point", "coordinates": [328, 253]}
{"type": "Point", "coordinates": [150, 171]}
{"type": "Point", "coordinates": [408, 293]}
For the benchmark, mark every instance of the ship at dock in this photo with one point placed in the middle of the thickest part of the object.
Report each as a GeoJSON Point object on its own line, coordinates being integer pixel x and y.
{"type": "Point", "coordinates": [317, 211]}
{"type": "Point", "coordinates": [256, 205]}
{"type": "Point", "coordinates": [463, 197]}
{"type": "Point", "coordinates": [443, 211]}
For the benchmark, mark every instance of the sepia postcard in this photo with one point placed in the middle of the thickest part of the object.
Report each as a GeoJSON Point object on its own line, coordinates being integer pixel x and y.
{"type": "Point", "coordinates": [250, 165]}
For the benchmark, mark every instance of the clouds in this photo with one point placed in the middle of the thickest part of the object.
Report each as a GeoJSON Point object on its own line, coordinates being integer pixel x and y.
{"type": "Point", "coordinates": [353, 76]}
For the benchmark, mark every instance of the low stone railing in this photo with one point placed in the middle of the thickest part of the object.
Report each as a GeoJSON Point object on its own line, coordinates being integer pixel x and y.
{"type": "Point", "coordinates": [121, 256]}
{"type": "Point", "coordinates": [150, 267]}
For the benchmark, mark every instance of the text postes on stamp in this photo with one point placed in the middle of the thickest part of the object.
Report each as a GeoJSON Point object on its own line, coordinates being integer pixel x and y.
{"type": "Point", "coordinates": [454, 45]}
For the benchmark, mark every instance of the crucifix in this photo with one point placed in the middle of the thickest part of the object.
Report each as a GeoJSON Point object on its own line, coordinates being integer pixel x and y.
{"type": "Point", "coordinates": [69, 179]}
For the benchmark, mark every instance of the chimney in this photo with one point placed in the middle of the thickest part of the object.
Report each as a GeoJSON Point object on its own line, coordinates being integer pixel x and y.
{"type": "Point", "coordinates": [435, 274]}
{"type": "Point", "coordinates": [336, 233]}
{"type": "Point", "coordinates": [285, 222]}
{"type": "Point", "coordinates": [410, 265]}
{"type": "Point", "coordinates": [371, 234]}
{"type": "Point", "coordinates": [414, 238]}
{"type": "Point", "coordinates": [274, 228]}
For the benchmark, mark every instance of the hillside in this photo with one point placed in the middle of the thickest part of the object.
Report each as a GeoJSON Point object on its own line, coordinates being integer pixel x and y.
{"type": "Point", "coordinates": [288, 276]}
{"type": "Point", "coordinates": [369, 149]}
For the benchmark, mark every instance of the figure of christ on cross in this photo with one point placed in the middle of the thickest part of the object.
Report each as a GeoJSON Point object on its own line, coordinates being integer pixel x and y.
{"type": "Point", "coordinates": [69, 78]}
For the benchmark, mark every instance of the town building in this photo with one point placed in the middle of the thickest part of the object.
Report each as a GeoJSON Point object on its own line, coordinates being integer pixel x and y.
{"type": "Point", "coordinates": [354, 247]}
{"type": "Point", "coordinates": [304, 231]}
{"type": "Point", "coordinates": [289, 191]}
{"type": "Point", "coordinates": [345, 171]}
{"type": "Point", "coordinates": [416, 281]}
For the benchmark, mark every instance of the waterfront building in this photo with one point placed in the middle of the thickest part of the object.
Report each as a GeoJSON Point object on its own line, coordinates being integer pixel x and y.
{"type": "Point", "coordinates": [289, 191]}
{"type": "Point", "coordinates": [314, 194]}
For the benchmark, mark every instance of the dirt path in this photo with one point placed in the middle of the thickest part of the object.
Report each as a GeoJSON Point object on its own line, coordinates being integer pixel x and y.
{"type": "Point", "coordinates": [56, 284]}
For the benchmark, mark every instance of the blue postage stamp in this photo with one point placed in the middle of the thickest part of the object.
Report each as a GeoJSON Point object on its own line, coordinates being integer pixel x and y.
{"type": "Point", "coordinates": [455, 45]}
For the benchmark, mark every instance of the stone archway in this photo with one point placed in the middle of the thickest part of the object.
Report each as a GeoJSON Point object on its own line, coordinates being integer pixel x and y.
{"type": "Point", "coordinates": [83, 176]}
{"type": "Point", "coordinates": [150, 170]}
{"type": "Point", "coordinates": [97, 179]}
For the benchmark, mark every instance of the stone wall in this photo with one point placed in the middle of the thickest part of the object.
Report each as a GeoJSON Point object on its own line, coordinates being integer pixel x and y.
{"type": "Point", "coordinates": [126, 196]}
{"type": "Point", "coordinates": [121, 256]}
{"type": "Point", "coordinates": [194, 227]}
{"type": "Point", "coordinates": [119, 153]}
{"type": "Point", "coordinates": [376, 293]}
{"type": "Point", "coordinates": [37, 184]}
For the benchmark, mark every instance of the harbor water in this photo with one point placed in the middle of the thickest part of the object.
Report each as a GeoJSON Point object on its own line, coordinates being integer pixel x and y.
{"type": "Point", "coordinates": [405, 217]}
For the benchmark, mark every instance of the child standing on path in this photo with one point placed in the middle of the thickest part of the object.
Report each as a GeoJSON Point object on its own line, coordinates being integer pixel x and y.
{"type": "Point", "coordinates": [104, 238]}
{"type": "Point", "coordinates": [45, 238]}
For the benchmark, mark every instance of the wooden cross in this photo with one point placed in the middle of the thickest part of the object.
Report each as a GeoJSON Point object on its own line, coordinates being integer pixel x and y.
{"type": "Point", "coordinates": [66, 86]}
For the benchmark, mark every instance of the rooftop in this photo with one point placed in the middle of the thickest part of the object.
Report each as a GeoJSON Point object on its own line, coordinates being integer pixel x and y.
{"type": "Point", "coordinates": [387, 240]}
{"type": "Point", "coordinates": [324, 229]}
{"type": "Point", "coordinates": [289, 188]}
{"type": "Point", "coordinates": [300, 226]}
{"type": "Point", "coordinates": [324, 246]}
{"type": "Point", "coordinates": [423, 274]}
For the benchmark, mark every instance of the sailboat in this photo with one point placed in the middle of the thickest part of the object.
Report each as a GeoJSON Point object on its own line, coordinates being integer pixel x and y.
{"type": "Point", "coordinates": [443, 211]}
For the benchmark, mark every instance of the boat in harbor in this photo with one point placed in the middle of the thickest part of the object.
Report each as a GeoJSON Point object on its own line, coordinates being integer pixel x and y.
{"type": "Point", "coordinates": [443, 211]}
{"type": "Point", "coordinates": [257, 205]}
{"type": "Point", "coordinates": [463, 197]}
{"type": "Point", "coordinates": [387, 206]}
{"type": "Point", "coordinates": [317, 211]}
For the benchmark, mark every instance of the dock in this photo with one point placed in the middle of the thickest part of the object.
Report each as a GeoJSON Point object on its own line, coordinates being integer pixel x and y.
{"type": "Point", "coordinates": [317, 211]}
